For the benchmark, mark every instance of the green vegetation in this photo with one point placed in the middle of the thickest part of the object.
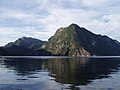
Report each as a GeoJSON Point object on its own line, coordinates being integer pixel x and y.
{"type": "Point", "coordinates": [69, 41]}
{"type": "Point", "coordinates": [64, 42]}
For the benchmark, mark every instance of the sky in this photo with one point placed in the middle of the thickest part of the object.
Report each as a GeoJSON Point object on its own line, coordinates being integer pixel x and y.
{"type": "Point", "coordinates": [41, 18]}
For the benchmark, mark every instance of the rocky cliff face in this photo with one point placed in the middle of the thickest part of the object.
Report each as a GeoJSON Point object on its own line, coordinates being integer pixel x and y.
{"type": "Point", "coordinates": [69, 41]}
{"type": "Point", "coordinates": [76, 41]}
{"type": "Point", "coordinates": [64, 42]}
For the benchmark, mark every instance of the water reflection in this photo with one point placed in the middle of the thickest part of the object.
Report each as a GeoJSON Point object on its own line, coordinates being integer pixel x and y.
{"type": "Point", "coordinates": [81, 71]}
{"type": "Point", "coordinates": [24, 66]}
{"type": "Point", "coordinates": [74, 72]}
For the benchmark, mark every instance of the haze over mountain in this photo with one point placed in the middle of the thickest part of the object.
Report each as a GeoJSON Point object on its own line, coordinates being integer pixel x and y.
{"type": "Point", "coordinates": [25, 46]}
{"type": "Point", "coordinates": [26, 42]}
{"type": "Point", "coordinates": [69, 41]}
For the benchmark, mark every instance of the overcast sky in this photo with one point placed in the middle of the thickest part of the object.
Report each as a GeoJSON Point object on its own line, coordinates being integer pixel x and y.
{"type": "Point", "coordinates": [41, 18]}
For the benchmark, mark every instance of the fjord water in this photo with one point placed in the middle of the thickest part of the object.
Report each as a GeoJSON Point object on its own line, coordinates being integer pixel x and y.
{"type": "Point", "coordinates": [59, 73]}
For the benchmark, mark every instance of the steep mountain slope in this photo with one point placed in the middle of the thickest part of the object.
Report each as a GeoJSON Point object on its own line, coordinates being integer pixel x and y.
{"type": "Point", "coordinates": [69, 41]}
{"type": "Point", "coordinates": [76, 41]}
{"type": "Point", "coordinates": [64, 42]}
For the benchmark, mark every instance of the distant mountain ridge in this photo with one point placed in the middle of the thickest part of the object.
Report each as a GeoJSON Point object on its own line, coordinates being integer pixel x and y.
{"type": "Point", "coordinates": [26, 42]}
{"type": "Point", "coordinates": [25, 46]}
{"type": "Point", "coordinates": [69, 41]}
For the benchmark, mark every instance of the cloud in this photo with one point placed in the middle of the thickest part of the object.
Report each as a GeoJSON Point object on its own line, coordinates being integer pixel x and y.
{"type": "Point", "coordinates": [94, 2]}
{"type": "Point", "coordinates": [40, 19]}
{"type": "Point", "coordinates": [12, 33]}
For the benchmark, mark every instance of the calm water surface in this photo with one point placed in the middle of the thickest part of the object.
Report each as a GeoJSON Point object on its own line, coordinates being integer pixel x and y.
{"type": "Point", "coordinates": [59, 73]}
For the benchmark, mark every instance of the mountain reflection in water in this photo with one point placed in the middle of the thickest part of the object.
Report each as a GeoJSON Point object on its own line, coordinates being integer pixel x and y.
{"type": "Point", "coordinates": [56, 73]}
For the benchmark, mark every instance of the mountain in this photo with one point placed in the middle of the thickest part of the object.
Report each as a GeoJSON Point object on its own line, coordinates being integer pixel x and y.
{"type": "Point", "coordinates": [76, 41]}
{"type": "Point", "coordinates": [4, 52]}
{"type": "Point", "coordinates": [26, 42]}
{"type": "Point", "coordinates": [25, 46]}
{"type": "Point", "coordinates": [69, 41]}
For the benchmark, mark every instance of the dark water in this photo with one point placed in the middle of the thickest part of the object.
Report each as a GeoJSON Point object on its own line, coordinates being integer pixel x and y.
{"type": "Point", "coordinates": [59, 73]}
